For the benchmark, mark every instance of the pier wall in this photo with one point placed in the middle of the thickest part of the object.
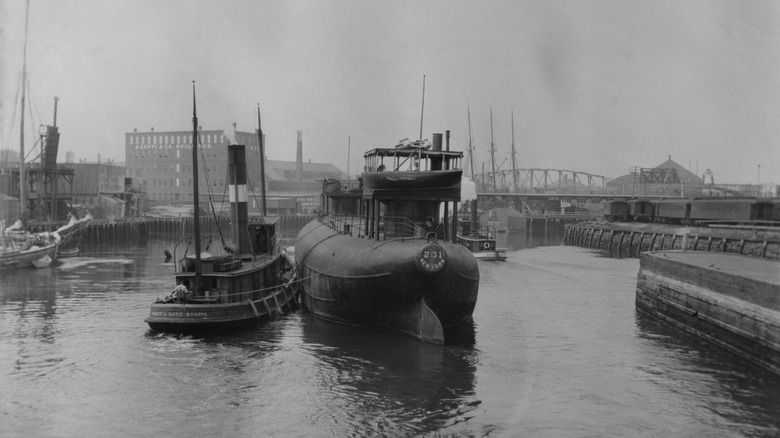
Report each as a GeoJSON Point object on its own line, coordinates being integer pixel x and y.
{"type": "Point", "coordinates": [101, 233]}
{"type": "Point", "coordinates": [631, 239]}
{"type": "Point", "coordinates": [730, 300]}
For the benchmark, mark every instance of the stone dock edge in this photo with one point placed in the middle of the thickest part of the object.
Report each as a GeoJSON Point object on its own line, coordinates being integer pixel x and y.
{"type": "Point", "coordinates": [730, 300]}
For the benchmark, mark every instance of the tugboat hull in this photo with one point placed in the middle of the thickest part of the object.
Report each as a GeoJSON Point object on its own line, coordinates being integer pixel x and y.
{"type": "Point", "coordinates": [382, 283]}
{"type": "Point", "coordinates": [211, 318]}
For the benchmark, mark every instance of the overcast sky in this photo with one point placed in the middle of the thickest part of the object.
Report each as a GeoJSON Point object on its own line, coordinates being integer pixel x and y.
{"type": "Point", "coordinates": [595, 86]}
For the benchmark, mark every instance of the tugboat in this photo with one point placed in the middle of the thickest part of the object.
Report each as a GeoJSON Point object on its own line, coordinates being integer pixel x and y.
{"type": "Point", "coordinates": [385, 255]}
{"type": "Point", "coordinates": [480, 241]}
{"type": "Point", "coordinates": [253, 281]}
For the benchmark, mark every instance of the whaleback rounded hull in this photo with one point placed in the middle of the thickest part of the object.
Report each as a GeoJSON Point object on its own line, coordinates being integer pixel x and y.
{"type": "Point", "coordinates": [383, 284]}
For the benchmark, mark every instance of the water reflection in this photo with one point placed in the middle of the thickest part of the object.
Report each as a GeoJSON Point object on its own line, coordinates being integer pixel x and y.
{"type": "Point", "coordinates": [382, 380]}
{"type": "Point", "coordinates": [31, 304]}
{"type": "Point", "coordinates": [742, 395]}
{"type": "Point", "coordinates": [558, 352]}
{"type": "Point", "coordinates": [532, 238]}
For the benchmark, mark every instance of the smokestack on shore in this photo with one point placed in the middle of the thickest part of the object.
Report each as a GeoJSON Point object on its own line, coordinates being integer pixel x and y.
{"type": "Point", "coordinates": [299, 158]}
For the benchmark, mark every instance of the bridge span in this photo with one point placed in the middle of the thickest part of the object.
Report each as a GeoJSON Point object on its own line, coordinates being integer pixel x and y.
{"type": "Point", "coordinates": [540, 180]}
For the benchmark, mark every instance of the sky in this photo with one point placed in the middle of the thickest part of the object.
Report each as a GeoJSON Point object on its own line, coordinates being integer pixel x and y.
{"type": "Point", "coordinates": [596, 86]}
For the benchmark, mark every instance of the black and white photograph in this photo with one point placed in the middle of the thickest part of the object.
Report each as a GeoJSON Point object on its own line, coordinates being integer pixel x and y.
{"type": "Point", "coordinates": [414, 218]}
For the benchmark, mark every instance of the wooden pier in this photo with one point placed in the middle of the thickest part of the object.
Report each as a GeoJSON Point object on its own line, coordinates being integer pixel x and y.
{"type": "Point", "coordinates": [631, 239]}
{"type": "Point", "coordinates": [730, 300]}
{"type": "Point", "coordinates": [139, 230]}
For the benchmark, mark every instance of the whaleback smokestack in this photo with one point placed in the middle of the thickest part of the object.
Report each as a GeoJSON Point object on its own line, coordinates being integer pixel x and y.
{"type": "Point", "coordinates": [436, 146]}
{"type": "Point", "coordinates": [436, 161]}
{"type": "Point", "coordinates": [299, 158]}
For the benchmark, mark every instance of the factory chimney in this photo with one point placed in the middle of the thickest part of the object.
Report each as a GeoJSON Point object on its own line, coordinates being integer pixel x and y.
{"type": "Point", "coordinates": [299, 158]}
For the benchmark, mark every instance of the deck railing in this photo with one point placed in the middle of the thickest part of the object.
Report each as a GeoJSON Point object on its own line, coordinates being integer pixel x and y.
{"type": "Point", "coordinates": [390, 227]}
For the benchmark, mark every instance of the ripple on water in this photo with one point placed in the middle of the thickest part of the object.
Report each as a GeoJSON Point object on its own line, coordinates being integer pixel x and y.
{"type": "Point", "coordinates": [556, 350]}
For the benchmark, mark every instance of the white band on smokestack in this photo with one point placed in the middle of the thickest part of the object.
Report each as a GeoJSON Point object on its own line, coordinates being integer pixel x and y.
{"type": "Point", "coordinates": [237, 193]}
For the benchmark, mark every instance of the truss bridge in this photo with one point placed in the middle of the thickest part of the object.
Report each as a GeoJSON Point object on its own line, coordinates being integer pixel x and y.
{"type": "Point", "coordinates": [540, 181]}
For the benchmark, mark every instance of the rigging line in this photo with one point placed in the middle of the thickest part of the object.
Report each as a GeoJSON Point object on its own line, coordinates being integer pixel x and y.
{"type": "Point", "coordinates": [211, 196]}
{"type": "Point", "coordinates": [216, 222]}
{"type": "Point", "coordinates": [33, 103]}
{"type": "Point", "coordinates": [206, 172]}
{"type": "Point", "coordinates": [224, 196]}
{"type": "Point", "coordinates": [251, 189]}
{"type": "Point", "coordinates": [210, 192]}
{"type": "Point", "coordinates": [30, 126]}
{"type": "Point", "coordinates": [12, 131]}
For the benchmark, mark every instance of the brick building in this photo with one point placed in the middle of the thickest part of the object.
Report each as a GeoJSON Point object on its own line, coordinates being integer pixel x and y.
{"type": "Point", "coordinates": [160, 164]}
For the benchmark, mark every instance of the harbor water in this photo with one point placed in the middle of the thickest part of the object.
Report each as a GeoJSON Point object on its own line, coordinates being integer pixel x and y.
{"type": "Point", "coordinates": [557, 349]}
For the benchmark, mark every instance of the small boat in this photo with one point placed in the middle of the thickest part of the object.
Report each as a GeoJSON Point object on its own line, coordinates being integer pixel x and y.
{"type": "Point", "coordinates": [43, 262]}
{"type": "Point", "coordinates": [20, 249]}
{"type": "Point", "coordinates": [383, 256]}
{"type": "Point", "coordinates": [480, 241]}
{"type": "Point", "coordinates": [254, 280]}
{"type": "Point", "coordinates": [483, 246]}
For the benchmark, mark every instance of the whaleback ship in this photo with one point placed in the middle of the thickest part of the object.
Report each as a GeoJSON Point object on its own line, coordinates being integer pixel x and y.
{"type": "Point", "coordinates": [385, 254]}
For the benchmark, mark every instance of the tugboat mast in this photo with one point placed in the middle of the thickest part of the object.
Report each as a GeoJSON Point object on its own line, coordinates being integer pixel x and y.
{"type": "Point", "coordinates": [196, 206]}
{"type": "Point", "coordinates": [262, 159]}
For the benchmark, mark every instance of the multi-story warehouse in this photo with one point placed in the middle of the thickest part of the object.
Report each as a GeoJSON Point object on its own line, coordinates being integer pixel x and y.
{"type": "Point", "coordinates": [160, 164]}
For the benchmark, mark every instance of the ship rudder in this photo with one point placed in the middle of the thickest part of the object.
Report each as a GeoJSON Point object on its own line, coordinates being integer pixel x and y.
{"type": "Point", "coordinates": [429, 328]}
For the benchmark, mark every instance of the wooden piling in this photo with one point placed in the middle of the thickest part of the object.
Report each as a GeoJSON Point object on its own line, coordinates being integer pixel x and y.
{"type": "Point", "coordinates": [633, 239]}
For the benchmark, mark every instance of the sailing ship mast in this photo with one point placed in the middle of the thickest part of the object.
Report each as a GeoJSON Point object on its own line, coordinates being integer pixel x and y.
{"type": "Point", "coordinates": [514, 160]}
{"type": "Point", "coordinates": [492, 150]}
{"type": "Point", "coordinates": [22, 176]}
{"type": "Point", "coordinates": [196, 224]}
{"type": "Point", "coordinates": [262, 160]}
{"type": "Point", "coordinates": [471, 145]}
{"type": "Point", "coordinates": [422, 113]}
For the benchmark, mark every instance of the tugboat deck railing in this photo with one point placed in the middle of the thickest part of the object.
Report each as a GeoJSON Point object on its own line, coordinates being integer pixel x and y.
{"type": "Point", "coordinates": [390, 227]}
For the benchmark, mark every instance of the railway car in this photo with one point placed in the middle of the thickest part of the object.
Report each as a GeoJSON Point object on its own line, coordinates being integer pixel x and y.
{"type": "Point", "coordinates": [731, 210]}
{"type": "Point", "coordinates": [616, 210]}
{"type": "Point", "coordinates": [640, 210]}
{"type": "Point", "coordinates": [672, 211]}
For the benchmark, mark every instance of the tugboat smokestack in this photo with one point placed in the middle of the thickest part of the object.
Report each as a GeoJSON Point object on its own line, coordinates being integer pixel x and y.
{"type": "Point", "coordinates": [237, 193]}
